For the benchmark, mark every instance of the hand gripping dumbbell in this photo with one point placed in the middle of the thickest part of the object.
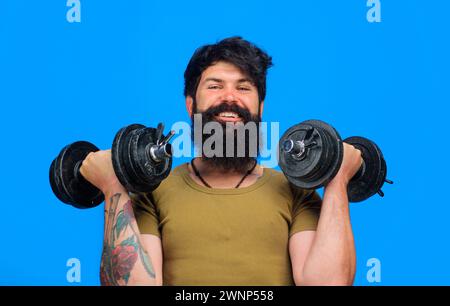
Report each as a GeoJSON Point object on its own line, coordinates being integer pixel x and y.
{"type": "Point", "coordinates": [141, 158]}
{"type": "Point", "coordinates": [311, 153]}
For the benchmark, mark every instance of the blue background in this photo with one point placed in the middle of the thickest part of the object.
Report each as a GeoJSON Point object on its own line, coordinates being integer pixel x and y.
{"type": "Point", "coordinates": [124, 63]}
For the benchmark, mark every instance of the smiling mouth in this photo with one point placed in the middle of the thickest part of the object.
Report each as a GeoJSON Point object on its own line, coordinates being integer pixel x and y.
{"type": "Point", "coordinates": [228, 116]}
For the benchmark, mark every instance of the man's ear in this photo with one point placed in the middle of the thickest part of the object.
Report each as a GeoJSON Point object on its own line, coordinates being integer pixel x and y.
{"type": "Point", "coordinates": [189, 105]}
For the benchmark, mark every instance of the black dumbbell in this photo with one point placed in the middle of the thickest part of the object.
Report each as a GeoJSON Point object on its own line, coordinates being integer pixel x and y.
{"type": "Point", "coordinates": [66, 181]}
{"type": "Point", "coordinates": [141, 157]}
{"type": "Point", "coordinates": [311, 152]}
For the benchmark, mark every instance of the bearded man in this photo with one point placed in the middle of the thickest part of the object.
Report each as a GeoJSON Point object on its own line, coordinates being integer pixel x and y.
{"type": "Point", "coordinates": [222, 219]}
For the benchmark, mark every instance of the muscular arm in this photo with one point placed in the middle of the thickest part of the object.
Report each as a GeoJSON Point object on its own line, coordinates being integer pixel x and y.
{"type": "Point", "coordinates": [125, 260]}
{"type": "Point", "coordinates": [326, 256]}
{"type": "Point", "coordinates": [128, 258]}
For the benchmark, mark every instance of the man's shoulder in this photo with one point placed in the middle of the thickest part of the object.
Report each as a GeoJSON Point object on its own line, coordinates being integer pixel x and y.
{"type": "Point", "coordinates": [179, 170]}
{"type": "Point", "coordinates": [279, 181]}
{"type": "Point", "coordinates": [175, 177]}
{"type": "Point", "coordinates": [172, 182]}
{"type": "Point", "coordinates": [273, 171]}
{"type": "Point", "coordinates": [276, 175]}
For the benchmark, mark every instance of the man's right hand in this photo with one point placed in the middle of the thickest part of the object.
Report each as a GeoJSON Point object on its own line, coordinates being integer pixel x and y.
{"type": "Point", "coordinates": [97, 168]}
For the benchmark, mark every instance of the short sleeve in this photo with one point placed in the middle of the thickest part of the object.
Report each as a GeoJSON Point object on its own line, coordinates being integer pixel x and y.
{"type": "Point", "coordinates": [145, 213]}
{"type": "Point", "coordinates": [305, 210]}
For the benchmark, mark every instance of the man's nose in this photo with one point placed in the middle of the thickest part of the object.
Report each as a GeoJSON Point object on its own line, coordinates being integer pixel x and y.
{"type": "Point", "coordinates": [229, 96]}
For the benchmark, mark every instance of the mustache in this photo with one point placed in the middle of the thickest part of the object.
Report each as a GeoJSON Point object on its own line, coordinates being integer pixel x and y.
{"type": "Point", "coordinates": [211, 112]}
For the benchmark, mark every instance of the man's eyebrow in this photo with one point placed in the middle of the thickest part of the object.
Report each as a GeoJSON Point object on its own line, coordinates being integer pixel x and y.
{"type": "Point", "coordinates": [245, 80]}
{"type": "Point", "coordinates": [213, 80]}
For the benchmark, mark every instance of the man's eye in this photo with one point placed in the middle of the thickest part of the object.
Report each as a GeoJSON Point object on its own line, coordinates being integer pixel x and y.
{"type": "Point", "coordinates": [244, 88]}
{"type": "Point", "coordinates": [213, 87]}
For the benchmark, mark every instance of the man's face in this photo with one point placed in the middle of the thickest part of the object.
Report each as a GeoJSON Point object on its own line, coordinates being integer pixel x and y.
{"type": "Point", "coordinates": [224, 83]}
{"type": "Point", "coordinates": [226, 95]}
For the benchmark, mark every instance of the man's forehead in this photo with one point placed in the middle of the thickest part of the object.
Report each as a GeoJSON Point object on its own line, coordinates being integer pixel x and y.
{"type": "Point", "coordinates": [222, 72]}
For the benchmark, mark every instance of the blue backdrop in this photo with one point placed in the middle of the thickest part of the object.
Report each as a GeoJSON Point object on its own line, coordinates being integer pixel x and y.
{"type": "Point", "coordinates": [124, 63]}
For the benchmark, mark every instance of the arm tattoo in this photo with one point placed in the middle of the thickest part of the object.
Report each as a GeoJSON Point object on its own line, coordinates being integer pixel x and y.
{"type": "Point", "coordinates": [118, 259]}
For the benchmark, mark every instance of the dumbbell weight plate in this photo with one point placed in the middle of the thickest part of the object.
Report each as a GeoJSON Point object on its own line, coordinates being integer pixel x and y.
{"type": "Point", "coordinates": [152, 173]}
{"type": "Point", "coordinates": [134, 168]}
{"type": "Point", "coordinates": [67, 184]}
{"type": "Point", "coordinates": [56, 183]}
{"type": "Point", "coordinates": [320, 163]}
{"type": "Point", "coordinates": [121, 159]}
{"type": "Point", "coordinates": [374, 174]}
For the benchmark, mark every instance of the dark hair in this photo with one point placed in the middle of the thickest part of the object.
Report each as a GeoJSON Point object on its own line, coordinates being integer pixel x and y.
{"type": "Point", "coordinates": [250, 59]}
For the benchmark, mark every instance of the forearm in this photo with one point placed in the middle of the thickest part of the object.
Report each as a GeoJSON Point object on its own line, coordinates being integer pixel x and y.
{"type": "Point", "coordinates": [332, 258]}
{"type": "Point", "coordinates": [124, 259]}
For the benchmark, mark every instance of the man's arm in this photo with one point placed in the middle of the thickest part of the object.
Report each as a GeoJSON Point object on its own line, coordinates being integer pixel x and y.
{"type": "Point", "coordinates": [327, 256]}
{"type": "Point", "coordinates": [127, 256]}
{"type": "Point", "coordinates": [125, 259]}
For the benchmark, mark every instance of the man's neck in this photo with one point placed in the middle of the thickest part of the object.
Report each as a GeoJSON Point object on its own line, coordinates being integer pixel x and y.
{"type": "Point", "coordinates": [220, 178]}
{"type": "Point", "coordinates": [208, 167]}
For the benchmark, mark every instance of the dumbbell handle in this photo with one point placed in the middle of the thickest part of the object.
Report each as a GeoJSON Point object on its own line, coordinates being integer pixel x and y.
{"type": "Point", "coordinates": [159, 152]}
{"type": "Point", "coordinates": [298, 147]}
{"type": "Point", "coordinates": [162, 149]}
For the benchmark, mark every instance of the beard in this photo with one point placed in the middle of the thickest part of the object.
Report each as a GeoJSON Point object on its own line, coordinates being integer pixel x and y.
{"type": "Point", "coordinates": [239, 149]}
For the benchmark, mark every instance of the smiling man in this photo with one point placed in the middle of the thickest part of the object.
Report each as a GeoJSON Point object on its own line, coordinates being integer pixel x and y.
{"type": "Point", "coordinates": [223, 219]}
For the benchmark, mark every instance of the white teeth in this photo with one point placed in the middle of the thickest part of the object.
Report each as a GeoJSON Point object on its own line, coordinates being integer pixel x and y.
{"type": "Point", "coordinates": [229, 115]}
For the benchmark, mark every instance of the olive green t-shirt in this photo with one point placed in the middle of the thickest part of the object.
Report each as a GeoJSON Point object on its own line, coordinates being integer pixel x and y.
{"type": "Point", "coordinates": [226, 236]}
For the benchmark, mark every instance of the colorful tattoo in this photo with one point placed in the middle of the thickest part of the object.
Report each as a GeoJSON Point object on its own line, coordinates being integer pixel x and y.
{"type": "Point", "coordinates": [118, 259]}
